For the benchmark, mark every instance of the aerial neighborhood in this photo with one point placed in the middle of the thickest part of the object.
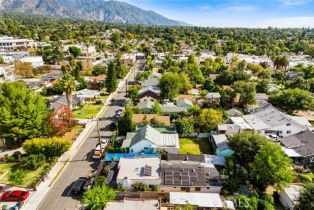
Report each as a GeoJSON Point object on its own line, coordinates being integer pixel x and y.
{"type": "Point", "coordinates": [110, 116]}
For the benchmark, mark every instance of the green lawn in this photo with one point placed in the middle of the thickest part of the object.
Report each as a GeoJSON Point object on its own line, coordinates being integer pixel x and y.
{"type": "Point", "coordinates": [71, 136]}
{"type": "Point", "coordinates": [194, 146]}
{"type": "Point", "coordinates": [88, 111]}
{"type": "Point", "coordinates": [29, 177]}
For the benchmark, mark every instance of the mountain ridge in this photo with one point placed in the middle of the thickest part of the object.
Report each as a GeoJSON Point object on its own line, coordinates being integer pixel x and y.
{"type": "Point", "coordinates": [98, 10]}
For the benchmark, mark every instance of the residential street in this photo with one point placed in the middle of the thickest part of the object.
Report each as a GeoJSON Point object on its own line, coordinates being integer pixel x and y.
{"type": "Point", "coordinates": [81, 165]}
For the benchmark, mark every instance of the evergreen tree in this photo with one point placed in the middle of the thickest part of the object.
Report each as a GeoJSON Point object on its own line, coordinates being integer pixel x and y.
{"type": "Point", "coordinates": [111, 82]}
{"type": "Point", "coordinates": [23, 113]}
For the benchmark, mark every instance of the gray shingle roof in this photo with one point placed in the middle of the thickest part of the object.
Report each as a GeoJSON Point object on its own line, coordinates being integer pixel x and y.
{"type": "Point", "coordinates": [149, 133]}
{"type": "Point", "coordinates": [302, 143]}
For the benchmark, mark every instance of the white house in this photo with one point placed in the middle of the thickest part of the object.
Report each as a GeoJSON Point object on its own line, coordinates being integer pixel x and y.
{"type": "Point", "coordinates": [289, 196]}
{"type": "Point", "coordinates": [35, 61]}
{"type": "Point", "coordinates": [85, 50]}
{"type": "Point", "coordinates": [149, 140]}
{"type": "Point", "coordinates": [199, 200]}
{"type": "Point", "coordinates": [134, 205]}
{"type": "Point", "coordinates": [88, 95]}
{"type": "Point", "coordinates": [129, 59]}
{"type": "Point", "coordinates": [145, 170]}
{"type": "Point", "coordinates": [272, 121]}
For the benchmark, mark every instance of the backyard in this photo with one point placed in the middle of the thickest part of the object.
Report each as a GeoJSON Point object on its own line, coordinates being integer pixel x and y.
{"type": "Point", "coordinates": [87, 111]}
{"type": "Point", "coordinates": [194, 146]}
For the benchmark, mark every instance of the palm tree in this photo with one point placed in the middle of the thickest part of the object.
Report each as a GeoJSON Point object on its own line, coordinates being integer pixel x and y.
{"type": "Point", "coordinates": [69, 86]}
{"type": "Point", "coordinates": [98, 197]}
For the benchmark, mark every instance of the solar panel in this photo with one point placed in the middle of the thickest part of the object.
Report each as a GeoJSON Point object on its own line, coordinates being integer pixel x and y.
{"type": "Point", "coordinates": [176, 173]}
{"type": "Point", "coordinates": [168, 182]}
{"type": "Point", "coordinates": [168, 173]}
{"type": "Point", "coordinates": [147, 170]}
{"type": "Point", "coordinates": [184, 173]}
{"type": "Point", "coordinates": [168, 177]}
{"type": "Point", "coordinates": [177, 182]}
{"type": "Point", "coordinates": [193, 174]}
{"type": "Point", "coordinates": [193, 179]}
{"type": "Point", "coordinates": [185, 183]}
{"type": "Point", "coordinates": [176, 178]}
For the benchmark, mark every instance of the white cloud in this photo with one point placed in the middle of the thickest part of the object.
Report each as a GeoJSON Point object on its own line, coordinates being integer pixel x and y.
{"type": "Point", "coordinates": [288, 22]}
{"type": "Point", "coordinates": [294, 2]}
{"type": "Point", "coordinates": [241, 9]}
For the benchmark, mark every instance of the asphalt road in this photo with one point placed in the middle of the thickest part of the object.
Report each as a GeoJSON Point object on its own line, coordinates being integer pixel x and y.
{"type": "Point", "coordinates": [59, 197]}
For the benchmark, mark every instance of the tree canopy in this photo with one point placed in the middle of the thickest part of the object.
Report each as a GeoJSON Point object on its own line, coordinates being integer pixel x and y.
{"type": "Point", "coordinates": [23, 113]}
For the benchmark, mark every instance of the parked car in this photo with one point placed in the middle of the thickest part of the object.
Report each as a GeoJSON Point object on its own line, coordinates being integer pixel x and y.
{"type": "Point", "coordinates": [273, 136]}
{"type": "Point", "coordinates": [118, 113]}
{"type": "Point", "coordinates": [98, 152]}
{"type": "Point", "coordinates": [113, 126]}
{"type": "Point", "coordinates": [16, 195]}
{"type": "Point", "coordinates": [89, 183]}
{"type": "Point", "coordinates": [78, 186]}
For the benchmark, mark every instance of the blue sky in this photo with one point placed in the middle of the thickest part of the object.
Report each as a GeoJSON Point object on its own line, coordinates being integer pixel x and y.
{"type": "Point", "coordinates": [234, 13]}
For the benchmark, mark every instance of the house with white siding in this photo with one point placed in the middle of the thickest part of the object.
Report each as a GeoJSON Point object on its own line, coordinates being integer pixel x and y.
{"type": "Point", "coordinates": [149, 140]}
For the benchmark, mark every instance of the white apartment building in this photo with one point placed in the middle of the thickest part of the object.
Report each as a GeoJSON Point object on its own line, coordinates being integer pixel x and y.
{"type": "Point", "coordinates": [8, 43]}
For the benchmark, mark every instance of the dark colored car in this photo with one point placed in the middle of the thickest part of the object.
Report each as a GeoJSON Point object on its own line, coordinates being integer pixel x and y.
{"type": "Point", "coordinates": [113, 126]}
{"type": "Point", "coordinates": [88, 184]}
{"type": "Point", "coordinates": [16, 195]}
{"type": "Point", "coordinates": [78, 186]}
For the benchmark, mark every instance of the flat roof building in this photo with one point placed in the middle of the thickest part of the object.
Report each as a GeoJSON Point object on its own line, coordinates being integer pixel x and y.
{"type": "Point", "coordinates": [144, 170]}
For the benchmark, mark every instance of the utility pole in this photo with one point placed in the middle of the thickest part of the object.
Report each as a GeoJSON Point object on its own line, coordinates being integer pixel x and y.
{"type": "Point", "coordinates": [99, 139]}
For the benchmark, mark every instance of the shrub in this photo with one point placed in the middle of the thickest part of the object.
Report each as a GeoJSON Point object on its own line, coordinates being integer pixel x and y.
{"type": "Point", "coordinates": [155, 188]}
{"type": "Point", "coordinates": [51, 147]}
{"type": "Point", "coordinates": [32, 162]}
{"type": "Point", "coordinates": [121, 188]}
{"type": "Point", "coordinates": [17, 155]}
{"type": "Point", "coordinates": [139, 187]}
{"type": "Point", "coordinates": [17, 176]}
{"type": "Point", "coordinates": [98, 101]}
{"type": "Point", "coordinates": [100, 181]}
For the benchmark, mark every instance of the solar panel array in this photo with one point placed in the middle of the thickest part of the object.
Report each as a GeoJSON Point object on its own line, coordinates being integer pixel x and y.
{"type": "Point", "coordinates": [180, 178]}
{"type": "Point", "coordinates": [147, 170]}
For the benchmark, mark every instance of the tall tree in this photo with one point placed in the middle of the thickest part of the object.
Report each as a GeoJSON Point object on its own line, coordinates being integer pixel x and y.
{"type": "Point", "coordinates": [170, 85]}
{"type": "Point", "coordinates": [23, 113]}
{"type": "Point", "coordinates": [125, 123]}
{"type": "Point", "coordinates": [293, 99]}
{"type": "Point", "coordinates": [111, 82]}
{"type": "Point", "coordinates": [209, 119]}
{"type": "Point", "coordinates": [75, 51]}
{"type": "Point", "coordinates": [271, 167]}
{"type": "Point", "coordinates": [247, 91]}
{"type": "Point", "coordinates": [69, 86]}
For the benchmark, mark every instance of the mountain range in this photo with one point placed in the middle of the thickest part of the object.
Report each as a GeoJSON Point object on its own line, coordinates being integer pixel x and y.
{"type": "Point", "coordinates": [98, 10]}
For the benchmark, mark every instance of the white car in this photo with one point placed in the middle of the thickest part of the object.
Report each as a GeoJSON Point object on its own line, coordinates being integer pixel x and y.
{"type": "Point", "coordinates": [273, 136]}
{"type": "Point", "coordinates": [104, 143]}
{"type": "Point", "coordinates": [98, 152]}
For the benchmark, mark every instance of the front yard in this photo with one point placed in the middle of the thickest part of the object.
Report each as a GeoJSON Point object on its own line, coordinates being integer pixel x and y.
{"type": "Point", "coordinates": [87, 111]}
{"type": "Point", "coordinates": [194, 146]}
{"type": "Point", "coordinates": [25, 178]}
{"type": "Point", "coordinates": [73, 134]}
